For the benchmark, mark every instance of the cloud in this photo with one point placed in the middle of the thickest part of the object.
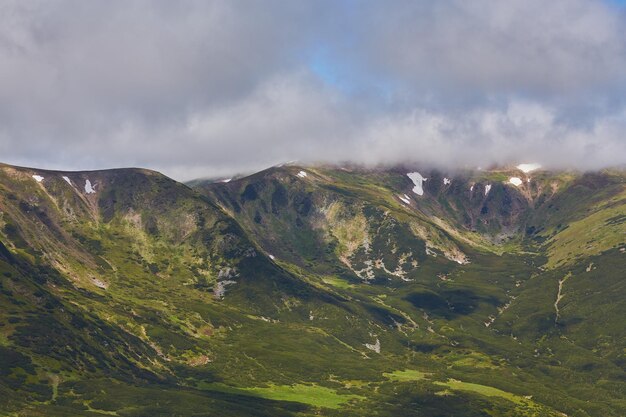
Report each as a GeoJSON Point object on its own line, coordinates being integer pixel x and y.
{"type": "Point", "coordinates": [71, 67]}
{"type": "Point", "coordinates": [204, 88]}
{"type": "Point", "coordinates": [522, 131]}
{"type": "Point", "coordinates": [270, 127]}
{"type": "Point", "coordinates": [490, 47]}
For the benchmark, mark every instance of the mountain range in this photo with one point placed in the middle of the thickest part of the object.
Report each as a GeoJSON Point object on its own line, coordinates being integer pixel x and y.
{"type": "Point", "coordinates": [313, 290]}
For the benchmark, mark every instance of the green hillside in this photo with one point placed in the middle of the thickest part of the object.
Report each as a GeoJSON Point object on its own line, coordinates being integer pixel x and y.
{"type": "Point", "coordinates": [302, 291]}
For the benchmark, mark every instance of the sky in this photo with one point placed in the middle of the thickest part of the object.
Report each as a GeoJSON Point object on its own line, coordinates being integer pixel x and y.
{"type": "Point", "coordinates": [213, 88]}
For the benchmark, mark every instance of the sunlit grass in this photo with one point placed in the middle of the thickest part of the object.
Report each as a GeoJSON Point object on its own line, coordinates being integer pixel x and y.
{"type": "Point", "coordinates": [337, 282]}
{"type": "Point", "coordinates": [406, 375]}
{"type": "Point", "coordinates": [482, 390]}
{"type": "Point", "coordinates": [314, 395]}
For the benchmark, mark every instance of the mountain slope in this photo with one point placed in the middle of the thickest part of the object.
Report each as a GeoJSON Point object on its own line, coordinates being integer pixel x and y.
{"type": "Point", "coordinates": [147, 256]}
{"type": "Point", "coordinates": [311, 291]}
{"type": "Point", "coordinates": [519, 242]}
{"type": "Point", "coordinates": [298, 211]}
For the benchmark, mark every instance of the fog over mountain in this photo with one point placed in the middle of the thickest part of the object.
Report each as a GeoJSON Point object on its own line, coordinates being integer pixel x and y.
{"type": "Point", "coordinates": [209, 88]}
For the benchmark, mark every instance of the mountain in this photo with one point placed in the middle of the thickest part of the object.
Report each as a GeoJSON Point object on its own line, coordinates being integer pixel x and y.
{"type": "Point", "coordinates": [319, 290]}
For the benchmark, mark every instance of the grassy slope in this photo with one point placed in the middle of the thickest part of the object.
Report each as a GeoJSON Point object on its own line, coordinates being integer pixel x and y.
{"type": "Point", "coordinates": [510, 296]}
{"type": "Point", "coordinates": [290, 335]}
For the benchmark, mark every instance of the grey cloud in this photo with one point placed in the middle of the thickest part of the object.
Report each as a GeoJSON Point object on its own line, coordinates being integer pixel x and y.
{"type": "Point", "coordinates": [84, 65]}
{"type": "Point", "coordinates": [207, 88]}
{"type": "Point", "coordinates": [270, 127]}
{"type": "Point", "coordinates": [516, 46]}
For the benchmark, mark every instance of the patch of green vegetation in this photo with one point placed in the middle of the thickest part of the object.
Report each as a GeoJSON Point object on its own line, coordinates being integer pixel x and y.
{"type": "Point", "coordinates": [472, 359]}
{"type": "Point", "coordinates": [594, 234]}
{"type": "Point", "coordinates": [314, 395]}
{"type": "Point", "coordinates": [485, 390]}
{"type": "Point", "coordinates": [406, 375]}
{"type": "Point", "coordinates": [495, 176]}
{"type": "Point", "coordinates": [348, 227]}
{"type": "Point", "coordinates": [337, 282]}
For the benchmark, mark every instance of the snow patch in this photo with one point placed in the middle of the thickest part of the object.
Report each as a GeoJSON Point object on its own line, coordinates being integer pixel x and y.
{"type": "Point", "coordinates": [272, 257]}
{"type": "Point", "coordinates": [38, 178]}
{"type": "Point", "coordinates": [227, 180]}
{"type": "Point", "coordinates": [526, 168]}
{"type": "Point", "coordinates": [516, 181]}
{"type": "Point", "coordinates": [90, 189]}
{"type": "Point", "coordinates": [487, 189]}
{"type": "Point", "coordinates": [405, 199]}
{"type": "Point", "coordinates": [418, 180]}
{"type": "Point", "coordinates": [67, 180]}
{"type": "Point", "coordinates": [446, 181]}
{"type": "Point", "coordinates": [472, 187]}
{"type": "Point", "coordinates": [302, 174]}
